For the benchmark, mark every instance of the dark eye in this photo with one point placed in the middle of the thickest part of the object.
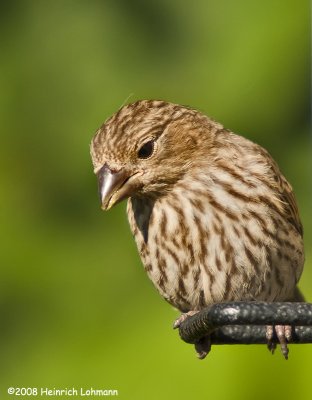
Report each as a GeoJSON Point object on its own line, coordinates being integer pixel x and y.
{"type": "Point", "coordinates": [146, 150]}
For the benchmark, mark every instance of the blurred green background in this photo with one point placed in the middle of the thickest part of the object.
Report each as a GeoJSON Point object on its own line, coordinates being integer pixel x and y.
{"type": "Point", "coordinates": [76, 306]}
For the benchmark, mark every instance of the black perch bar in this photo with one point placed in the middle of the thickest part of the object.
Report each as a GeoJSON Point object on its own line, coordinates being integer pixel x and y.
{"type": "Point", "coordinates": [245, 322]}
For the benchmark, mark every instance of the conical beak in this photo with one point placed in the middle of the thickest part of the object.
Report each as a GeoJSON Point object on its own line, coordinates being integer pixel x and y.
{"type": "Point", "coordinates": [110, 182]}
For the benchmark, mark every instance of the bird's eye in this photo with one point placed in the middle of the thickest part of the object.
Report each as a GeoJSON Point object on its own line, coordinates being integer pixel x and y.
{"type": "Point", "coordinates": [146, 150]}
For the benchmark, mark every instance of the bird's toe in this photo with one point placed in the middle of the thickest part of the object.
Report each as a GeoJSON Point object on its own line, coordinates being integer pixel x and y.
{"type": "Point", "coordinates": [283, 334]}
{"type": "Point", "coordinates": [182, 318]}
{"type": "Point", "coordinates": [203, 347]}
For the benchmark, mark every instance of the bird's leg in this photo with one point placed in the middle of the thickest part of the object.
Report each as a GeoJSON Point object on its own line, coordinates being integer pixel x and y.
{"type": "Point", "coordinates": [182, 318]}
{"type": "Point", "coordinates": [283, 333]}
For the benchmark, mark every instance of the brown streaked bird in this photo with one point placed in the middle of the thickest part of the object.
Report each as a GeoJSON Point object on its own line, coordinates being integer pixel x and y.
{"type": "Point", "coordinates": [213, 217]}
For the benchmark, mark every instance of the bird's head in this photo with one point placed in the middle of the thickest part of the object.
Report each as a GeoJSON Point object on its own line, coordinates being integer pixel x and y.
{"type": "Point", "coordinates": [145, 148]}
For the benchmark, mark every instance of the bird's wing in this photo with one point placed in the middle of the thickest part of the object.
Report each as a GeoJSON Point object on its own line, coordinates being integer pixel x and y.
{"type": "Point", "coordinates": [287, 196]}
{"type": "Point", "coordinates": [291, 207]}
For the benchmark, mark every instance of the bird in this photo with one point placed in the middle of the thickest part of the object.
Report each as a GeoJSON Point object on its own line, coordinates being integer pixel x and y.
{"type": "Point", "coordinates": [213, 218]}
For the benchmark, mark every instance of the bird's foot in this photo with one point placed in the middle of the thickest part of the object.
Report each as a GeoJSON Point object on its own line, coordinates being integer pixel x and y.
{"type": "Point", "coordinates": [182, 318]}
{"type": "Point", "coordinates": [283, 333]}
{"type": "Point", "coordinates": [203, 347]}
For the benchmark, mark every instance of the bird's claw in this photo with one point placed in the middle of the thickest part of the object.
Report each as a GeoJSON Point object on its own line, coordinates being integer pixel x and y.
{"type": "Point", "coordinates": [203, 347]}
{"type": "Point", "coordinates": [284, 335]}
{"type": "Point", "coordinates": [182, 318]}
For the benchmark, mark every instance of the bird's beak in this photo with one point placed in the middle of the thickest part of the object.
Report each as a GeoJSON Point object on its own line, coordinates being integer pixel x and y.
{"type": "Point", "coordinates": [112, 186]}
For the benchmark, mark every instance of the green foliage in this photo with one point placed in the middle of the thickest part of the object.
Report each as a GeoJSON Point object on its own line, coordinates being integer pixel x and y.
{"type": "Point", "coordinates": [76, 306]}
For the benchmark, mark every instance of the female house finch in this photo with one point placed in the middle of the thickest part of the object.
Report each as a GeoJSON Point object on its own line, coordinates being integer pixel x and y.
{"type": "Point", "coordinates": [213, 218]}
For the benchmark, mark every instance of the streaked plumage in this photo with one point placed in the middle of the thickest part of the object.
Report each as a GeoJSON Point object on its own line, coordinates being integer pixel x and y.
{"type": "Point", "coordinates": [212, 216]}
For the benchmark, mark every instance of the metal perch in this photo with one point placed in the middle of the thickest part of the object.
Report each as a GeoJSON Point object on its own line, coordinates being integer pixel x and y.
{"type": "Point", "coordinates": [245, 322]}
